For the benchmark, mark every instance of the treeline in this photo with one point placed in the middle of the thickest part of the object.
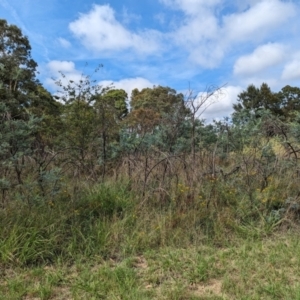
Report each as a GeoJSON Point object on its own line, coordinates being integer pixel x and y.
{"type": "Point", "coordinates": [87, 133]}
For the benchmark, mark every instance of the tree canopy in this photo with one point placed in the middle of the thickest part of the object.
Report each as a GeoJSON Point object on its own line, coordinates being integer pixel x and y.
{"type": "Point", "coordinates": [254, 101]}
{"type": "Point", "coordinates": [17, 69]}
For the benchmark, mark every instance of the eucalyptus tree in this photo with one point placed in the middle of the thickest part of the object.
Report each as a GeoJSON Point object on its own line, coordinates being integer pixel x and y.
{"type": "Point", "coordinates": [160, 112]}
{"type": "Point", "coordinates": [18, 88]}
{"type": "Point", "coordinates": [156, 127]}
{"type": "Point", "coordinates": [18, 70]}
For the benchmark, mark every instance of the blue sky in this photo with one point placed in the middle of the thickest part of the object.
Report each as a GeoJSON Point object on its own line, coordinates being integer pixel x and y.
{"type": "Point", "coordinates": [178, 43]}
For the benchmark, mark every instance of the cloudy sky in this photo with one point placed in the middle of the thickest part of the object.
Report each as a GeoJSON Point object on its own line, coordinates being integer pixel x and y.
{"type": "Point", "coordinates": [184, 44]}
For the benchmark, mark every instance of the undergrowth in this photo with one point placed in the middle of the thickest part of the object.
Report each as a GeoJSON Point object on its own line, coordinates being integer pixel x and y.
{"type": "Point", "coordinates": [154, 245]}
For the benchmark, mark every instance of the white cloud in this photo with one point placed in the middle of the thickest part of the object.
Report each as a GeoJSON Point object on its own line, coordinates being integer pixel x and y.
{"type": "Point", "coordinates": [191, 7]}
{"type": "Point", "coordinates": [223, 106]}
{"type": "Point", "coordinates": [263, 57]}
{"type": "Point", "coordinates": [209, 56]}
{"type": "Point", "coordinates": [129, 84]}
{"type": "Point", "coordinates": [100, 31]}
{"type": "Point", "coordinates": [64, 43]}
{"type": "Point", "coordinates": [67, 68]}
{"type": "Point", "coordinates": [205, 34]}
{"type": "Point", "coordinates": [257, 21]}
{"type": "Point", "coordinates": [129, 17]}
{"type": "Point", "coordinates": [198, 29]}
{"type": "Point", "coordinates": [161, 18]}
{"type": "Point", "coordinates": [291, 70]}
{"type": "Point", "coordinates": [64, 66]}
{"type": "Point", "coordinates": [275, 72]}
{"type": "Point", "coordinates": [198, 36]}
{"type": "Point", "coordinates": [208, 37]}
{"type": "Point", "coordinates": [243, 5]}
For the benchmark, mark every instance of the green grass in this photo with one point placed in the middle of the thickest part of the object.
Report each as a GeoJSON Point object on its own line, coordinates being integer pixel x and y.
{"type": "Point", "coordinates": [248, 269]}
{"type": "Point", "coordinates": [106, 243]}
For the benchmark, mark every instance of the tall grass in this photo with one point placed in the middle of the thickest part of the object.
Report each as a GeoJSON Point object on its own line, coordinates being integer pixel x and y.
{"type": "Point", "coordinates": [182, 235]}
{"type": "Point", "coordinates": [114, 219]}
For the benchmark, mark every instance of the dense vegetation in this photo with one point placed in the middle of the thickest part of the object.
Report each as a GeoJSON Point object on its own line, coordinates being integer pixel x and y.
{"type": "Point", "coordinates": [85, 175]}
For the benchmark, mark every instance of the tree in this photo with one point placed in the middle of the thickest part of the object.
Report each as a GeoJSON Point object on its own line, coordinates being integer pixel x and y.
{"type": "Point", "coordinates": [17, 78]}
{"type": "Point", "coordinates": [91, 119]}
{"type": "Point", "coordinates": [256, 99]}
{"type": "Point", "coordinates": [110, 108]}
{"type": "Point", "coordinates": [290, 101]}
{"type": "Point", "coordinates": [162, 100]}
{"type": "Point", "coordinates": [79, 141]}
{"type": "Point", "coordinates": [158, 107]}
{"type": "Point", "coordinates": [116, 100]}
{"type": "Point", "coordinates": [197, 106]}
{"type": "Point", "coordinates": [18, 85]}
